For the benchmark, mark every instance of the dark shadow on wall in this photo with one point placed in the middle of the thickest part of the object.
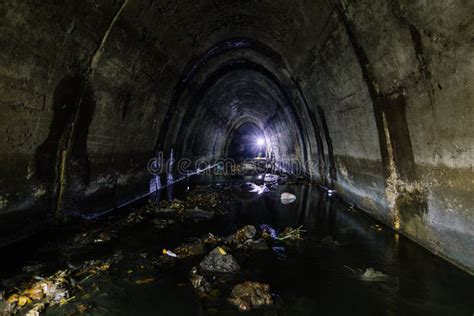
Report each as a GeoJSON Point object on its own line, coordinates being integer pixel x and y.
{"type": "Point", "coordinates": [73, 110]}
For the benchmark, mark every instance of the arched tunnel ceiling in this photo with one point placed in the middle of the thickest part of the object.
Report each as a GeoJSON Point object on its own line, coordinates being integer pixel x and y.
{"type": "Point", "coordinates": [235, 97]}
{"type": "Point", "coordinates": [375, 95]}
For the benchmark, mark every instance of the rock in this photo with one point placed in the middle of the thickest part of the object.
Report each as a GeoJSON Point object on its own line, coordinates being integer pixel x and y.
{"type": "Point", "coordinates": [219, 261]}
{"type": "Point", "coordinates": [249, 295]}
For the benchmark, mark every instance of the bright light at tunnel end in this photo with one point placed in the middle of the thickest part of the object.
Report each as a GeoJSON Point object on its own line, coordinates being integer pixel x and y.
{"type": "Point", "coordinates": [260, 141]}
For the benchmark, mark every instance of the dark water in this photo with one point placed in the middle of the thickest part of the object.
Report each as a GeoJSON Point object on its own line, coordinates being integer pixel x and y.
{"type": "Point", "coordinates": [319, 275]}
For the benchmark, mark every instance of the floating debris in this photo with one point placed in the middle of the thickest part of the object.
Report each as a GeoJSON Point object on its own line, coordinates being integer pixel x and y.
{"type": "Point", "coordinates": [373, 275]}
{"type": "Point", "coordinates": [287, 198]}
{"type": "Point", "coordinates": [169, 253]}
{"type": "Point", "coordinates": [259, 189]}
{"type": "Point", "coordinates": [370, 274]}
{"type": "Point", "coordinates": [291, 233]}
{"type": "Point", "coordinates": [189, 250]}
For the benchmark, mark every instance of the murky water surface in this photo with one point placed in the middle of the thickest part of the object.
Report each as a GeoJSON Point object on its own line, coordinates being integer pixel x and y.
{"type": "Point", "coordinates": [329, 272]}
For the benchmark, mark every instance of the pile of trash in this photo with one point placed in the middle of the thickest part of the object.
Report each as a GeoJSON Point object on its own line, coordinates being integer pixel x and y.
{"type": "Point", "coordinates": [58, 289]}
{"type": "Point", "coordinates": [50, 291]}
{"type": "Point", "coordinates": [251, 295]}
{"type": "Point", "coordinates": [207, 277]}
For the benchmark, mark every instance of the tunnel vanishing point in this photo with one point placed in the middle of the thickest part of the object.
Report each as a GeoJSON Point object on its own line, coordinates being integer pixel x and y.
{"type": "Point", "coordinates": [375, 98]}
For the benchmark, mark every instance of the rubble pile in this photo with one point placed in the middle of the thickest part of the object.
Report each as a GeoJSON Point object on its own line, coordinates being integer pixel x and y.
{"type": "Point", "coordinates": [219, 261]}
{"type": "Point", "coordinates": [249, 295]}
{"type": "Point", "coordinates": [58, 289]}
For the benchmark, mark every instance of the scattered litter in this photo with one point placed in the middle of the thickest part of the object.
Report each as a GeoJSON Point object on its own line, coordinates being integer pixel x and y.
{"type": "Point", "coordinates": [268, 231]}
{"type": "Point", "coordinates": [221, 251]}
{"type": "Point", "coordinates": [144, 281]}
{"type": "Point", "coordinates": [56, 289]}
{"type": "Point", "coordinates": [287, 198]}
{"type": "Point", "coordinates": [259, 189]}
{"type": "Point", "coordinates": [291, 233]}
{"type": "Point", "coordinates": [169, 253]}
{"type": "Point", "coordinates": [189, 250]}
{"type": "Point", "coordinates": [249, 295]}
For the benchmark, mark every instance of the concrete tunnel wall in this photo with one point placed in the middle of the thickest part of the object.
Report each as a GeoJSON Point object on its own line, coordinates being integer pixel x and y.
{"type": "Point", "coordinates": [378, 94]}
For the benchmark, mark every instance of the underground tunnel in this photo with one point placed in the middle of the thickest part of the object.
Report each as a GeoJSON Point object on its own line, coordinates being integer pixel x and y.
{"type": "Point", "coordinates": [220, 157]}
